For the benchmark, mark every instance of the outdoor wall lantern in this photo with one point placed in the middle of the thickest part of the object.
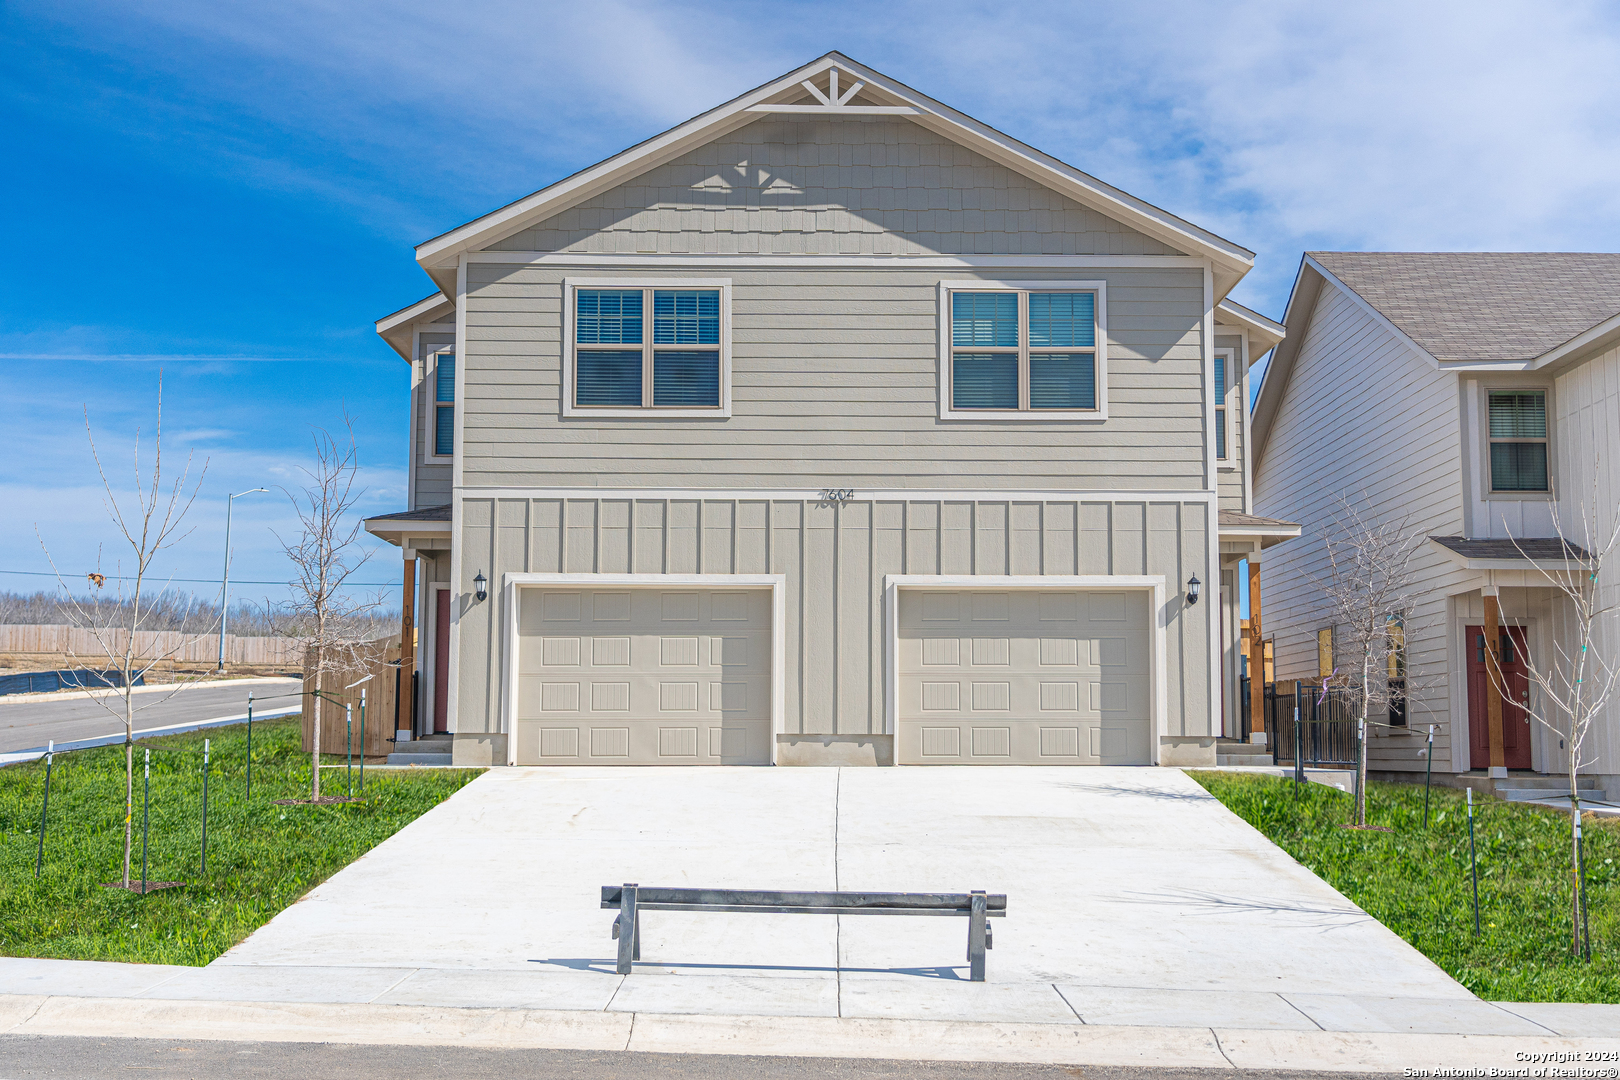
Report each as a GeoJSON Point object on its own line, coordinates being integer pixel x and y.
{"type": "Point", "coordinates": [1193, 587]}
{"type": "Point", "coordinates": [481, 587]}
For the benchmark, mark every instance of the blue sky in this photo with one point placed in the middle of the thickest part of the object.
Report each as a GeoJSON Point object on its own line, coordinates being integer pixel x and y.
{"type": "Point", "coordinates": [229, 193]}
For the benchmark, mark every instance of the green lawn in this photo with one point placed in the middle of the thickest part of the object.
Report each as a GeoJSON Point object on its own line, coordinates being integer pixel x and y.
{"type": "Point", "coordinates": [1416, 880]}
{"type": "Point", "coordinates": [261, 857]}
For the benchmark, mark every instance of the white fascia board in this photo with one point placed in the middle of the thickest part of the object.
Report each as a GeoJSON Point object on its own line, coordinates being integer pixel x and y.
{"type": "Point", "coordinates": [1263, 333]}
{"type": "Point", "coordinates": [1248, 532]}
{"type": "Point", "coordinates": [396, 328]}
{"type": "Point", "coordinates": [1232, 261]}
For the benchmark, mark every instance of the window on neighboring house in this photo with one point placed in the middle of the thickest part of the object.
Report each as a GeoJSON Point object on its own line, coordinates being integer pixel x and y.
{"type": "Point", "coordinates": [1396, 628]}
{"type": "Point", "coordinates": [648, 348]}
{"type": "Point", "coordinates": [1518, 423]}
{"type": "Point", "coordinates": [1024, 351]}
{"type": "Point", "coordinates": [1222, 360]}
{"type": "Point", "coordinates": [1324, 653]}
{"type": "Point", "coordinates": [444, 403]}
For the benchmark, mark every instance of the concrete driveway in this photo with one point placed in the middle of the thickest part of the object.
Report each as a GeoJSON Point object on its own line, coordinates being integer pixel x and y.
{"type": "Point", "coordinates": [1132, 896]}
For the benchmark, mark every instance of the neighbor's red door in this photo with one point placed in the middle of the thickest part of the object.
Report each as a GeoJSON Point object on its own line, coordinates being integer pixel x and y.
{"type": "Point", "coordinates": [1515, 721]}
{"type": "Point", "coordinates": [441, 663]}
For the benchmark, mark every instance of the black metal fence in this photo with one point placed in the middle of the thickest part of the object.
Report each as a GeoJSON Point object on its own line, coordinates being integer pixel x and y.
{"type": "Point", "coordinates": [1324, 735]}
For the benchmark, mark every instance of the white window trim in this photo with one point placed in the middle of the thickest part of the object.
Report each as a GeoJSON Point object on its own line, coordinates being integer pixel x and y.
{"type": "Point", "coordinates": [430, 399]}
{"type": "Point", "coordinates": [1230, 461]}
{"type": "Point", "coordinates": [1486, 482]}
{"type": "Point", "coordinates": [946, 412]}
{"type": "Point", "coordinates": [572, 285]}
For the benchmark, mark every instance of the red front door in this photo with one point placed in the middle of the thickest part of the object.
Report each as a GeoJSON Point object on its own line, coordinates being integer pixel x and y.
{"type": "Point", "coordinates": [441, 663]}
{"type": "Point", "coordinates": [1515, 721]}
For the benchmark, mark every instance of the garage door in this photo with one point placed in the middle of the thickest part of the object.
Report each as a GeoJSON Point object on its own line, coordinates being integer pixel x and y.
{"type": "Point", "coordinates": [1023, 677]}
{"type": "Point", "coordinates": [644, 676]}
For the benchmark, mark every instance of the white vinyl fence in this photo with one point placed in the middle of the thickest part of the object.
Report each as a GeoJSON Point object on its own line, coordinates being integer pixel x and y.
{"type": "Point", "coordinates": [86, 651]}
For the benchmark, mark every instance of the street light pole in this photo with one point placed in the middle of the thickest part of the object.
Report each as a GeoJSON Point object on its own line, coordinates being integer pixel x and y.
{"type": "Point", "coordinates": [225, 582]}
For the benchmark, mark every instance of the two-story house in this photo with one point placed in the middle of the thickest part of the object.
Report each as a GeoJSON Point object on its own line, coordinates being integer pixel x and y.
{"type": "Point", "coordinates": [1477, 397]}
{"type": "Point", "coordinates": [830, 426]}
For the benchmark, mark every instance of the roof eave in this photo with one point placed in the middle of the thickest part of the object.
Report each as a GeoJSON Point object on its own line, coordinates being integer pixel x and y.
{"type": "Point", "coordinates": [396, 328]}
{"type": "Point", "coordinates": [1263, 333]}
{"type": "Point", "coordinates": [1229, 261]}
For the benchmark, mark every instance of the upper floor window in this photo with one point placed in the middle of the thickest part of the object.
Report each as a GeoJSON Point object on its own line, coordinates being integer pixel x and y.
{"type": "Point", "coordinates": [648, 349]}
{"type": "Point", "coordinates": [444, 403]}
{"type": "Point", "coordinates": [1518, 439]}
{"type": "Point", "coordinates": [1023, 353]}
{"type": "Point", "coordinates": [1223, 364]}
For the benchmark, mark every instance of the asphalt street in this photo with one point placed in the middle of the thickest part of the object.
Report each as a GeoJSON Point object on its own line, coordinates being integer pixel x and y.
{"type": "Point", "coordinates": [34, 1057]}
{"type": "Point", "coordinates": [25, 725]}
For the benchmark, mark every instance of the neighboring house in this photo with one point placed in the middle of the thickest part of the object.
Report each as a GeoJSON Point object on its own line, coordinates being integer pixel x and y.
{"type": "Point", "coordinates": [831, 426]}
{"type": "Point", "coordinates": [1475, 393]}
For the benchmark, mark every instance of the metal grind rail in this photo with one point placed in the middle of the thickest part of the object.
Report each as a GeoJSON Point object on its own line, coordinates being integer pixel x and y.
{"type": "Point", "coordinates": [631, 899]}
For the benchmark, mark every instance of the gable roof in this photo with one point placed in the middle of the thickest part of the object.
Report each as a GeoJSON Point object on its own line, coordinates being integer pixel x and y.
{"type": "Point", "coordinates": [396, 328]}
{"type": "Point", "coordinates": [1483, 305]}
{"type": "Point", "coordinates": [1263, 333]}
{"type": "Point", "coordinates": [1463, 310]}
{"type": "Point", "coordinates": [877, 94]}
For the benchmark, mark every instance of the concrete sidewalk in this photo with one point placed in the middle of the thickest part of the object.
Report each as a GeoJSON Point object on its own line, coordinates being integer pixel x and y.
{"type": "Point", "coordinates": [1146, 925]}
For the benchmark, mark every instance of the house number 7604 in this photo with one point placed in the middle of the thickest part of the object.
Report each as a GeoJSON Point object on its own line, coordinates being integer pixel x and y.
{"type": "Point", "coordinates": [837, 496]}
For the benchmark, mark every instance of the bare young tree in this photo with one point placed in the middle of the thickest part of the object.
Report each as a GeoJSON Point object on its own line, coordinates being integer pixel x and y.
{"type": "Point", "coordinates": [324, 611]}
{"type": "Point", "coordinates": [1577, 673]}
{"type": "Point", "coordinates": [148, 523]}
{"type": "Point", "coordinates": [1370, 595]}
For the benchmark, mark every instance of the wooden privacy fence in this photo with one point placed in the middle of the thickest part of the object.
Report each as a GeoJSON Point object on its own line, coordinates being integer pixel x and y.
{"type": "Point", "coordinates": [173, 645]}
{"type": "Point", "coordinates": [380, 660]}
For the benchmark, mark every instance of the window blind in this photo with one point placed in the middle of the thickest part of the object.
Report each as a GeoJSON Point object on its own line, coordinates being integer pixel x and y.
{"type": "Point", "coordinates": [985, 319]}
{"type": "Point", "coordinates": [689, 379]}
{"type": "Point", "coordinates": [608, 377]}
{"type": "Point", "coordinates": [1518, 415]}
{"type": "Point", "coordinates": [1062, 381]}
{"type": "Point", "coordinates": [984, 381]}
{"type": "Point", "coordinates": [608, 317]}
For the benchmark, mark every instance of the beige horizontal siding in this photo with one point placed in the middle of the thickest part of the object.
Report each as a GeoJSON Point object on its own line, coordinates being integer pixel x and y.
{"type": "Point", "coordinates": [835, 558]}
{"type": "Point", "coordinates": [852, 372]}
{"type": "Point", "coordinates": [857, 186]}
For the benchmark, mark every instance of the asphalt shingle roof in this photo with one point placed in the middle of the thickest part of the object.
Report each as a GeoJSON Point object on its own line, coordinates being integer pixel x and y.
{"type": "Point", "coordinates": [1483, 305]}
{"type": "Point", "coordinates": [1534, 548]}
{"type": "Point", "coordinates": [427, 513]}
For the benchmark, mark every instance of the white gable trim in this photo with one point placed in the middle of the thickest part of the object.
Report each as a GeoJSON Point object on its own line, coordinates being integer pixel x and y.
{"type": "Point", "coordinates": [442, 252]}
{"type": "Point", "coordinates": [1263, 333]}
{"type": "Point", "coordinates": [396, 328]}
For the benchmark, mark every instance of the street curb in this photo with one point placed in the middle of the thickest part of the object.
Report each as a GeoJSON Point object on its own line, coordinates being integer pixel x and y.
{"type": "Point", "coordinates": [146, 688]}
{"type": "Point", "coordinates": [915, 1040]}
{"type": "Point", "coordinates": [17, 757]}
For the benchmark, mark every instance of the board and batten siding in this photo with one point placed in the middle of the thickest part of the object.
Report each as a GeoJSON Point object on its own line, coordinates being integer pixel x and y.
{"type": "Point", "coordinates": [817, 186]}
{"type": "Point", "coordinates": [1366, 416]}
{"type": "Point", "coordinates": [835, 558]}
{"type": "Point", "coordinates": [835, 383]}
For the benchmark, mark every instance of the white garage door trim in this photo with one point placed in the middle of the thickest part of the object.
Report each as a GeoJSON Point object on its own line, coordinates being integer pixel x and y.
{"type": "Point", "coordinates": [893, 583]}
{"type": "Point", "coordinates": [513, 582]}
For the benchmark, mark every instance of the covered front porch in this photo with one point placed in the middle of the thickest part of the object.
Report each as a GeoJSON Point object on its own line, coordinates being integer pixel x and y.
{"type": "Point", "coordinates": [1243, 538]}
{"type": "Point", "coordinates": [423, 537]}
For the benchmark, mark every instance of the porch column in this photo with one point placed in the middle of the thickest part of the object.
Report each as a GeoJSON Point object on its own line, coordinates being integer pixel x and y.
{"type": "Point", "coordinates": [405, 702]}
{"type": "Point", "coordinates": [1257, 654]}
{"type": "Point", "coordinates": [1493, 680]}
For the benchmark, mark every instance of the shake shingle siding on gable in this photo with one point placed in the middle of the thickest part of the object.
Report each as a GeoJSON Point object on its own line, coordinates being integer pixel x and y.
{"type": "Point", "coordinates": [1483, 305]}
{"type": "Point", "coordinates": [833, 187]}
